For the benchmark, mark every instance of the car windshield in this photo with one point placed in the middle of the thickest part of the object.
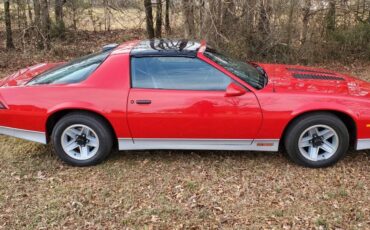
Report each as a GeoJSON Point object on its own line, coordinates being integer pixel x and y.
{"type": "Point", "coordinates": [254, 76]}
{"type": "Point", "coordinates": [72, 72]}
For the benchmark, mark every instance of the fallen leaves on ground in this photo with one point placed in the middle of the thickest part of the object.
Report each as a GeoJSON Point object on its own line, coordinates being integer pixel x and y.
{"type": "Point", "coordinates": [180, 189]}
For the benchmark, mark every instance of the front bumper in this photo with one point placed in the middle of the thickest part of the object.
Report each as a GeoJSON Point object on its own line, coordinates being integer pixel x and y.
{"type": "Point", "coordinates": [363, 144]}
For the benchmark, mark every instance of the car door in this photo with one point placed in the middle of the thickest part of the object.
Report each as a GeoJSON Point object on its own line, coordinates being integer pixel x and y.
{"type": "Point", "coordinates": [184, 99]}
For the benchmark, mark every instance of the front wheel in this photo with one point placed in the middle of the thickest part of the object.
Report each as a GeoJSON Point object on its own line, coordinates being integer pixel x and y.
{"type": "Point", "coordinates": [317, 140]}
{"type": "Point", "coordinates": [82, 139]}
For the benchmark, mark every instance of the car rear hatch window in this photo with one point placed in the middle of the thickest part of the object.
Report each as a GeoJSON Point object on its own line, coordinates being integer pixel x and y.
{"type": "Point", "coordinates": [73, 72]}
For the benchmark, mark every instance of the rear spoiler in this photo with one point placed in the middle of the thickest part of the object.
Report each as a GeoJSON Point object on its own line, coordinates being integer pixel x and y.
{"type": "Point", "coordinates": [109, 47]}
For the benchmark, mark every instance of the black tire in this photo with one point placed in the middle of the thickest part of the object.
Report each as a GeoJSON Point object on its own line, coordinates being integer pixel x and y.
{"type": "Point", "coordinates": [298, 127]}
{"type": "Point", "coordinates": [97, 124]}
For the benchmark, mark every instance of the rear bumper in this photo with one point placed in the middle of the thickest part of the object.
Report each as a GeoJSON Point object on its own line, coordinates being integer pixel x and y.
{"type": "Point", "coordinates": [29, 135]}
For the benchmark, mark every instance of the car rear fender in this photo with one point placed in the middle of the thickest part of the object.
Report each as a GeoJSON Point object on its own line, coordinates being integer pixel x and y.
{"type": "Point", "coordinates": [77, 106]}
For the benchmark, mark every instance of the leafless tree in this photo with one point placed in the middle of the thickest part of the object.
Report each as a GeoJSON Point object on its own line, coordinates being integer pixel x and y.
{"type": "Point", "coordinates": [188, 12]}
{"type": "Point", "coordinates": [277, 30]}
{"type": "Point", "coordinates": [167, 17]}
{"type": "Point", "coordinates": [8, 25]}
{"type": "Point", "coordinates": [158, 21]}
{"type": "Point", "coordinates": [305, 20]}
{"type": "Point", "coordinates": [331, 16]}
{"type": "Point", "coordinates": [59, 22]}
{"type": "Point", "coordinates": [46, 24]}
{"type": "Point", "coordinates": [149, 18]}
{"type": "Point", "coordinates": [37, 24]}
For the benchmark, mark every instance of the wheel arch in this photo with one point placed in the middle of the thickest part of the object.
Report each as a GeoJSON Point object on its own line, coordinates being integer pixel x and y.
{"type": "Point", "coordinates": [346, 118]}
{"type": "Point", "coordinates": [54, 117]}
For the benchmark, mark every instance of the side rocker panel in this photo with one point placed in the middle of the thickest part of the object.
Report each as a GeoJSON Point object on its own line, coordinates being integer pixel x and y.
{"type": "Point", "coordinates": [199, 144]}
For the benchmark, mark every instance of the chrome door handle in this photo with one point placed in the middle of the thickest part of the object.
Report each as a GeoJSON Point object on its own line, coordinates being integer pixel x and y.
{"type": "Point", "coordinates": [143, 102]}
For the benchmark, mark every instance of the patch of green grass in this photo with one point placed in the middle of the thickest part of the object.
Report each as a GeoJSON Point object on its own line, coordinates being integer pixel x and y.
{"type": "Point", "coordinates": [191, 185]}
{"type": "Point", "coordinates": [204, 214]}
{"type": "Point", "coordinates": [359, 216]}
{"type": "Point", "coordinates": [342, 192]}
{"type": "Point", "coordinates": [278, 213]}
{"type": "Point", "coordinates": [321, 222]}
{"type": "Point", "coordinates": [360, 185]}
{"type": "Point", "coordinates": [329, 195]}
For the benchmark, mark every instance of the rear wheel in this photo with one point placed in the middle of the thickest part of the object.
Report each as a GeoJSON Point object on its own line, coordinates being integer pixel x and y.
{"type": "Point", "coordinates": [317, 140]}
{"type": "Point", "coordinates": [81, 139]}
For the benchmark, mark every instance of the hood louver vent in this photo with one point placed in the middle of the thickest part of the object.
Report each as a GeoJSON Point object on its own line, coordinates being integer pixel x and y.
{"type": "Point", "coordinates": [309, 71]}
{"type": "Point", "coordinates": [317, 77]}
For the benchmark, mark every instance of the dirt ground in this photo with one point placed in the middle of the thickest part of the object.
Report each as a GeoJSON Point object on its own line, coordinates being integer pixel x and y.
{"type": "Point", "coordinates": [175, 189]}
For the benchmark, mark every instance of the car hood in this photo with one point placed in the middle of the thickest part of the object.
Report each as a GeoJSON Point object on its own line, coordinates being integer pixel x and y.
{"type": "Point", "coordinates": [23, 76]}
{"type": "Point", "coordinates": [301, 79]}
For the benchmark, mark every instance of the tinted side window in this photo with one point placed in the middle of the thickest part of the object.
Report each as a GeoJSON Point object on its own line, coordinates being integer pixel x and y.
{"type": "Point", "coordinates": [176, 73]}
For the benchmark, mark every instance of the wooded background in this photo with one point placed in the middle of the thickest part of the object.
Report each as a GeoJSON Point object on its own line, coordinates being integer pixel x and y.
{"type": "Point", "coordinates": [289, 31]}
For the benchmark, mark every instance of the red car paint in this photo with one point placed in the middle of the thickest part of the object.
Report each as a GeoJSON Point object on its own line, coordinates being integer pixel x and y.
{"type": "Point", "coordinates": [257, 114]}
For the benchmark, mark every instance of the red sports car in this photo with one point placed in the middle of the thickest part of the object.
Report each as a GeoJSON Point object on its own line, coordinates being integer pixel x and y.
{"type": "Point", "coordinates": [179, 94]}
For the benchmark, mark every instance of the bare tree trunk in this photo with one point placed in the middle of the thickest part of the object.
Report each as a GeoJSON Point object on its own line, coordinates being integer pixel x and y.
{"type": "Point", "coordinates": [107, 23]}
{"type": "Point", "coordinates": [74, 16]}
{"type": "Point", "coordinates": [158, 22]}
{"type": "Point", "coordinates": [46, 24]}
{"type": "Point", "coordinates": [8, 26]}
{"type": "Point", "coordinates": [37, 22]}
{"type": "Point", "coordinates": [167, 17]}
{"type": "Point", "coordinates": [290, 23]}
{"type": "Point", "coordinates": [364, 9]}
{"type": "Point", "coordinates": [201, 22]}
{"type": "Point", "coordinates": [213, 22]}
{"type": "Point", "coordinates": [249, 24]}
{"type": "Point", "coordinates": [91, 14]}
{"type": "Point", "coordinates": [24, 14]}
{"type": "Point", "coordinates": [227, 21]}
{"type": "Point", "coordinates": [18, 14]}
{"type": "Point", "coordinates": [305, 20]}
{"type": "Point", "coordinates": [58, 8]}
{"type": "Point", "coordinates": [331, 17]}
{"type": "Point", "coordinates": [264, 18]}
{"type": "Point", "coordinates": [29, 11]}
{"type": "Point", "coordinates": [188, 12]}
{"type": "Point", "coordinates": [249, 17]}
{"type": "Point", "coordinates": [149, 18]}
{"type": "Point", "coordinates": [21, 14]}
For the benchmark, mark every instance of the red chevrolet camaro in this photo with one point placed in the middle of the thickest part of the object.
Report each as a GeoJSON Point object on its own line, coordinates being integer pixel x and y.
{"type": "Point", "coordinates": [179, 94]}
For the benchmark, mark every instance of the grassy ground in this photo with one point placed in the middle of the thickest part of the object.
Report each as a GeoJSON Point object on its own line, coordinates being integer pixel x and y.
{"type": "Point", "coordinates": [174, 189]}
{"type": "Point", "coordinates": [179, 189]}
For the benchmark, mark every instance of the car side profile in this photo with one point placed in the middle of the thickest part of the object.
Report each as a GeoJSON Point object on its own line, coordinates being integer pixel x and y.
{"type": "Point", "coordinates": [180, 94]}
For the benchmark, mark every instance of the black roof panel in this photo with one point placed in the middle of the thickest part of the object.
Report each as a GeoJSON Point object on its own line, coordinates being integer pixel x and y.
{"type": "Point", "coordinates": [166, 47]}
